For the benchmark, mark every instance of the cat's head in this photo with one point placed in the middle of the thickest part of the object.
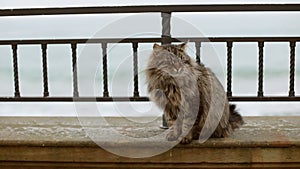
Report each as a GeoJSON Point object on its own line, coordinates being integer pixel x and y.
{"type": "Point", "coordinates": [170, 58]}
{"type": "Point", "coordinates": [177, 50]}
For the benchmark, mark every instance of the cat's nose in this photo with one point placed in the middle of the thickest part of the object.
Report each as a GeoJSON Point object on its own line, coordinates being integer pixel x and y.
{"type": "Point", "coordinates": [177, 66]}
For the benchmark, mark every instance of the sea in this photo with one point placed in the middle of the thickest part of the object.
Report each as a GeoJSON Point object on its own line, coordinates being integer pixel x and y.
{"type": "Point", "coordinates": [120, 60]}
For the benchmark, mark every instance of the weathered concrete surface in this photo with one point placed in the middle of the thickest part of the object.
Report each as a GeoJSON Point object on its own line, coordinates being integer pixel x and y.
{"type": "Point", "coordinates": [63, 143]}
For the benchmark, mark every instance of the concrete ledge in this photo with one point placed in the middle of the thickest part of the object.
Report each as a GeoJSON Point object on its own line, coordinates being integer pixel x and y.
{"type": "Point", "coordinates": [270, 142]}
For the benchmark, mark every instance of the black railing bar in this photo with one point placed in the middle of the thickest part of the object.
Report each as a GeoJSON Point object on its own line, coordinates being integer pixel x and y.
{"type": "Point", "coordinates": [263, 98]}
{"type": "Point", "coordinates": [71, 99]}
{"type": "Point", "coordinates": [198, 51]}
{"type": "Point", "coordinates": [152, 8]}
{"type": "Point", "coordinates": [149, 40]}
{"type": "Point", "coordinates": [16, 70]}
{"type": "Point", "coordinates": [166, 28]}
{"type": "Point", "coordinates": [105, 70]}
{"type": "Point", "coordinates": [45, 69]}
{"type": "Point", "coordinates": [135, 70]}
{"type": "Point", "coordinates": [80, 41]}
{"type": "Point", "coordinates": [229, 68]}
{"type": "Point", "coordinates": [235, 39]}
{"type": "Point", "coordinates": [166, 39]}
{"type": "Point", "coordinates": [138, 99]}
{"type": "Point", "coordinates": [260, 91]}
{"type": "Point", "coordinates": [292, 69]}
{"type": "Point", "coordinates": [74, 69]}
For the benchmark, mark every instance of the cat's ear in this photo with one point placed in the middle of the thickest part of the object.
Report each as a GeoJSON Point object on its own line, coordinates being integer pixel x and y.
{"type": "Point", "coordinates": [183, 45]}
{"type": "Point", "coordinates": [157, 47]}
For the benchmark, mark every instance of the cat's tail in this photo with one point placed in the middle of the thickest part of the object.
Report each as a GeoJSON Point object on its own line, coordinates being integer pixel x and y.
{"type": "Point", "coordinates": [235, 119]}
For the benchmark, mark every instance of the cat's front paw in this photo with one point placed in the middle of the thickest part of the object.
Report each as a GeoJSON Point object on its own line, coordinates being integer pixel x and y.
{"type": "Point", "coordinates": [171, 136]}
{"type": "Point", "coordinates": [186, 140]}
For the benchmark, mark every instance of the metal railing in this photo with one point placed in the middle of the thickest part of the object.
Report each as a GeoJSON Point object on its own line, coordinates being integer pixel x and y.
{"type": "Point", "coordinates": [165, 39]}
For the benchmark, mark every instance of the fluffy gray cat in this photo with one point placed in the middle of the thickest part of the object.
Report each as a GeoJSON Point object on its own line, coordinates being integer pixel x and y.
{"type": "Point", "coordinates": [193, 99]}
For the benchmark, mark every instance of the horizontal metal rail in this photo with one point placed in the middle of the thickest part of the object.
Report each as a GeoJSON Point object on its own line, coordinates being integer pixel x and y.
{"type": "Point", "coordinates": [71, 99]}
{"type": "Point", "coordinates": [152, 8]}
{"type": "Point", "coordinates": [138, 99]}
{"type": "Point", "coordinates": [148, 40]}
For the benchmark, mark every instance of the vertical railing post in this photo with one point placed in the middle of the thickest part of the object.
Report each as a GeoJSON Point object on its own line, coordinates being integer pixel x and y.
{"type": "Point", "coordinates": [292, 68]}
{"type": "Point", "coordinates": [74, 66]}
{"type": "Point", "coordinates": [104, 62]}
{"type": "Point", "coordinates": [198, 52]}
{"type": "Point", "coordinates": [45, 71]}
{"type": "Point", "coordinates": [260, 92]}
{"type": "Point", "coordinates": [166, 39]}
{"type": "Point", "coordinates": [166, 28]}
{"type": "Point", "coordinates": [135, 70]}
{"type": "Point", "coordinates": [16, 70]}
{"type": "Point", "coordinates": [229, 68]}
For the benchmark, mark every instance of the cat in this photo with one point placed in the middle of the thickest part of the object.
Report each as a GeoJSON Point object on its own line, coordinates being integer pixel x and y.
{"type": "Point", "coordinates": [190, 95]}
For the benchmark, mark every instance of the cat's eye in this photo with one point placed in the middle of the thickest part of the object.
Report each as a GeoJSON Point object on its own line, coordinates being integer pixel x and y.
{"type": "Point", "coordinates": [185, 61]}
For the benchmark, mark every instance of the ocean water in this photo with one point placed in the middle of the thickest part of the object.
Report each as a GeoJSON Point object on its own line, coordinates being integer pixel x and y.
{"type": "Point", "coordinates": [120, 61]}
{"type": "Point", "coordinates": [120, 76]}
